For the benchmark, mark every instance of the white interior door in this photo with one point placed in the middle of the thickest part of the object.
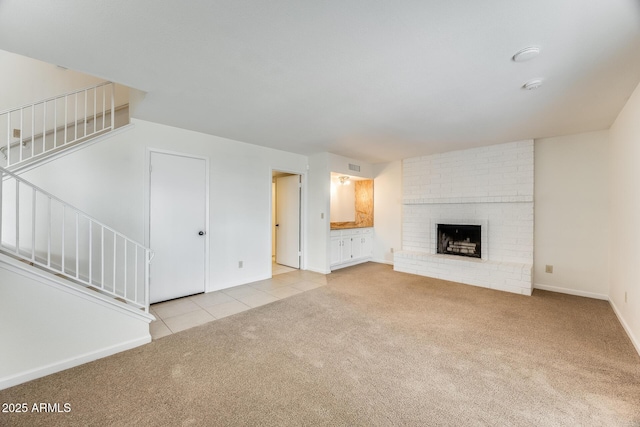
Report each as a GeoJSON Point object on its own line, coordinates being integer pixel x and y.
{"type": "Point", "coordinates": [288, 220]}
{"type": "Point", "coordinates": [177, 225]}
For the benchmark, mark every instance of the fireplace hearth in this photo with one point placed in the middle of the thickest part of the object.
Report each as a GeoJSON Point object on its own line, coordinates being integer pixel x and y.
{"type": "Point", "coordinates": [460, 240]}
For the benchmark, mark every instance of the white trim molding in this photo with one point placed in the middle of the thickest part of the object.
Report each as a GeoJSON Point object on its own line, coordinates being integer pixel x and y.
{"type": "Point", "coordinates": [71, 362]}
{"type": "Point", "coordinates": [569, 291]}
{"type": "Point", "coordinates": [634, 340]}
{"type": "Point", "coordinates": [302, 226]}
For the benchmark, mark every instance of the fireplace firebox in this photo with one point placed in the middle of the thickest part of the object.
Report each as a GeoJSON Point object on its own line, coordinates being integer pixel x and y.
{"type": "Point", "coordinates": [461, 240]}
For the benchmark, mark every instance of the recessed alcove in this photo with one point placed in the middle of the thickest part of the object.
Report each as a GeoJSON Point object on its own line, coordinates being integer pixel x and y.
{"type": "Point", "coordinates": [351, 202]}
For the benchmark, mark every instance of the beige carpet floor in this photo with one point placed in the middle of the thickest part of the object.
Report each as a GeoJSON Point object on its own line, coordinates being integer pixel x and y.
{"type": "Point", "coordinates": [372, 348]}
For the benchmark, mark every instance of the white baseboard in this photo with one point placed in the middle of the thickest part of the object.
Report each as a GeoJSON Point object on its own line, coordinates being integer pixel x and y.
{"type": "Point", "coordinates": [318, 270]}
{"type": "Point", "coordinates": [382, 261]}
{"type": "Point", "coordinates": [239, 282]}
{"type": "Point", "coordinates": [634, 340]}
{"type": "Point", "coordinates": [52, 368]}
{"type": "Point", "coordinates": [351, 263]}
{"type": "Point", "coordinates": [571, 291]}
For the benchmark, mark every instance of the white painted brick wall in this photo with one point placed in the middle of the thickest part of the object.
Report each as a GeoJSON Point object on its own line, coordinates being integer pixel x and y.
{"type": "Point", "coordinates": [489, 184]}
{"type": "Point", "coordinates": [510, 277]}
{"type": "Point", "coordinates": [496, 172]}
{"type": "Point", "coordinates": [509, 234]}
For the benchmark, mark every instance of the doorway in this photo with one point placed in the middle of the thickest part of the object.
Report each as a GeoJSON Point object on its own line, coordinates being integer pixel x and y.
{"type": "Point", "coordinates": [285, 222]}
{"type": "Point", "coordinates": [177, 225]}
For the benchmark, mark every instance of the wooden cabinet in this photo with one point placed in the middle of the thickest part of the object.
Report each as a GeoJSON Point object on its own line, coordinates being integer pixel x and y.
{"type": "Point", "coordinates": [351, 246]}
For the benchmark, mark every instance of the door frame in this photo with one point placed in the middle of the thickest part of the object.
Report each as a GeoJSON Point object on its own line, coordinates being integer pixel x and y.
{"type": "Point", "coordinates": [303, 221]}
{"type": "Point", "coordinates": [147, 204]}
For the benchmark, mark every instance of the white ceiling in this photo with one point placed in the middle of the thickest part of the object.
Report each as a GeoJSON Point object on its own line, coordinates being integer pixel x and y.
{"type": "Point", "coordinates": [368, 79]}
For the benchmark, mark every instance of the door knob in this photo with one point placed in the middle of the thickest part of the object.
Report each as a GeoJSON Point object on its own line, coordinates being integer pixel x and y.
{"type": "Point", "coordinates": [201, 233]}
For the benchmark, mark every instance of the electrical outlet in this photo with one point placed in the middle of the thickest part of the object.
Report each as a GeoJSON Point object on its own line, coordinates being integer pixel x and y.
{"type": "Point", "coordinates": [16, 133]}
{"type": "Point", "coordinates": [548, 269]}
{"type": "Point", "coordinates": [322, 215]}
{"type": "Point", "coordinates": [240, 264]}
{"type": "Point", "coordinates": [391, 250]}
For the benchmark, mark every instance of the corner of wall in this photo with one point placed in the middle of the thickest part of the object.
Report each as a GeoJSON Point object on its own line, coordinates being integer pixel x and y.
{"type": "Point", "coordinates": [387, 207]}
{"type": "Point", "coordinates": [571, 213]}
{"type": "Point", "coordinates": [318, 210]}
{"type": "Point", "coordinates": [635, 340]}
{"type": "Point", "coordinates": [624, 210]}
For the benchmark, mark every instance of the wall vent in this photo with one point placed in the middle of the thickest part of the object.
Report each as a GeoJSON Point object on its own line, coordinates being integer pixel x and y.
{"type": "Point", "coordinates": [353, 167]}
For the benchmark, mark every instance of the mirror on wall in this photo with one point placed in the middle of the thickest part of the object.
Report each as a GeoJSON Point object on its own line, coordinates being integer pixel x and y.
{"type": "Point", "coordinates": [343, 199]}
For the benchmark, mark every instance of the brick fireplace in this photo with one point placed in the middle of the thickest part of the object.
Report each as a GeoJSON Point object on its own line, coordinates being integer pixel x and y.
{"type": "Point", "coordinates": [490, 188]}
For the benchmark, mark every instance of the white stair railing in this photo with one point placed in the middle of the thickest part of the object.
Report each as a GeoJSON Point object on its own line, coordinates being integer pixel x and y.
{"type": "Point", "coordinates": [34, 130]}
{"type": "Point", "coordinates": [43, 230]}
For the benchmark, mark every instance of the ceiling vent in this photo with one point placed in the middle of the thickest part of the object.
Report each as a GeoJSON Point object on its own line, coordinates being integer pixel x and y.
{"type": "Point", "coordinates": [353, 167]}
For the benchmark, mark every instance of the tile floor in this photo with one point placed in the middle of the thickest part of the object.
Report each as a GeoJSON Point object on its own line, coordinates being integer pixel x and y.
{"type": "Point", "coordinates": [188, 312]}
{"type": "Point", "coordinates": [279, 269]}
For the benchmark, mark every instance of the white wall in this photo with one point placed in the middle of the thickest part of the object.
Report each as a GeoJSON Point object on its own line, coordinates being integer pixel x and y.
{"type": "Point", "coordinates": [25, 80]}
{"type": "Point", "coordinates": [387, 208]}
{"type": "Point", "coordinates": [318, 209]}
{"type": "Point", "coordinates": [572, 214]}
{"type": "Point", "coordinates": [45, 329]}
{"type": "Point", "coordinates": [109, 181]}
{"type": "Point", "coordinates": [340, 165]}
{"type": "Point", "coordinates": [624, 270]}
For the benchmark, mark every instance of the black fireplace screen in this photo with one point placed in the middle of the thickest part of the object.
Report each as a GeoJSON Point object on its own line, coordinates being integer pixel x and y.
{"type": "Point", "coordinates": [463, 240]}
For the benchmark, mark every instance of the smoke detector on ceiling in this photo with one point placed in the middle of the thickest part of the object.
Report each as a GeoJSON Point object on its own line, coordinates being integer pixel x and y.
{"type": "Point", "coordinates": [532, 84]}
{"type": "Point", "coordinates": [526, 54]}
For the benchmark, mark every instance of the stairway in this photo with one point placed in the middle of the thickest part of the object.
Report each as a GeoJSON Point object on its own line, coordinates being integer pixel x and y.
{"type": "Point", "coordinates": [41, 229]}
{"type": "Point", "coordinates": [35, 131]}
{"type": "Point", "coordinates": [72, 289]}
